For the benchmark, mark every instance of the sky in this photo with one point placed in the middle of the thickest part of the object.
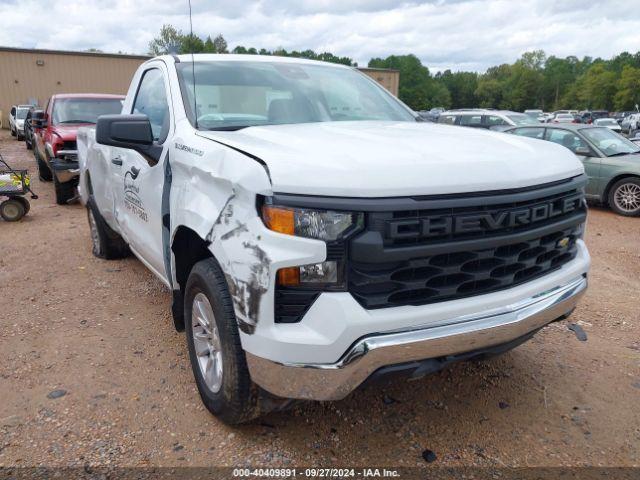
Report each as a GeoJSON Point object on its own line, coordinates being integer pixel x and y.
{"type": "Point", "coordinates": [444, 34]}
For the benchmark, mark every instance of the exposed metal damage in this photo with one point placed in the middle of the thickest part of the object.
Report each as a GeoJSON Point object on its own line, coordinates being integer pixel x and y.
{"type": "Point", "coordinates": [246, 266]}
{"type": "Point", "coordinates": [228, 195]}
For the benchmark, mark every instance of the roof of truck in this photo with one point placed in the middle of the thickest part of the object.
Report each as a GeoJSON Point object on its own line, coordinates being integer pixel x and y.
{"type": "Point", "coordinates": [229, 57]}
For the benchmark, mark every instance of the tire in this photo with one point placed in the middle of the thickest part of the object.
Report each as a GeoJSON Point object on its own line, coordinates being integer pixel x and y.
{"type": "Point", "coordinates": [25, 203]}
{"type": "Point", "coordinates": [624, 197]}
{"type": "Point", "coordinates": [44, 172]}
{"type": "Point", "coordinates": [231, 396]}
{"type": "Point", "coordinates": [106, 243]}
{"type": "Point", "coordinates": [28, 144]}
{"type": "Point", "coordinates": [64, 191]}
{"type": "Point", "coordinates": [12, 210]}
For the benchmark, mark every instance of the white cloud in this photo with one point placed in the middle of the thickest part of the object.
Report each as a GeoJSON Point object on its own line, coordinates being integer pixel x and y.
{"type": "Point", "coordinates": [462, 34]}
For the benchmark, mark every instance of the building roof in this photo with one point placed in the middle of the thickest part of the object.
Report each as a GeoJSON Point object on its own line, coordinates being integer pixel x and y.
{"type": "Point", "coordinates": [69, 52]}
{"type": "Point", "coordinates": [376, 69]}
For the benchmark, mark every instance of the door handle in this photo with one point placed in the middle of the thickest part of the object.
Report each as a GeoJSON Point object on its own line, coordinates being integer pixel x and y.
{"type": "Point", "coordinates": [117, 161]}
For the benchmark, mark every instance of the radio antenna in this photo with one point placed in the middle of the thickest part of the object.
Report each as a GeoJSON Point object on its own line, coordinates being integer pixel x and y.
{"type": "Point", "coordinates": [193, 68]}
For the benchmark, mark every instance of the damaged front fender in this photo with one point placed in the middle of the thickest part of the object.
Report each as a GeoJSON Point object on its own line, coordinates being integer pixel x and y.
{"type": "Point", "coordinates": [215, 196]}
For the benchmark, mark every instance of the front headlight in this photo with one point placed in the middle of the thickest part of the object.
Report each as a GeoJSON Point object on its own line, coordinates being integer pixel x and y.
{"type": "Point", "coordinates": [327, 225]}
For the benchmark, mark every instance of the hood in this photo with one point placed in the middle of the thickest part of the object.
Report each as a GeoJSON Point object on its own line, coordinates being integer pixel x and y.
{"type": "Point", "coordinates": [68, 132]}
{"type": "Point", "coordinates": [382, 159]}
{"type": "Point", "coordinates": [630, 162]}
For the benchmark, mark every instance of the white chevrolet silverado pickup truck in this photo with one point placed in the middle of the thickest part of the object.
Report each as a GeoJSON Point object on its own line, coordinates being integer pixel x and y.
{"type": "Point", "coordinates": [315, 235]}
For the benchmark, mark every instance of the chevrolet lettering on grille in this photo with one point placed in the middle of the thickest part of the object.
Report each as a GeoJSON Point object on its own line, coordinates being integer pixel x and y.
{"type": "Point", "coordinates": [442, 225]}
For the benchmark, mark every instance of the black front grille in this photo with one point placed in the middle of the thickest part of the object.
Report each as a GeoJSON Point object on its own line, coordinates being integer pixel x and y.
{"type": "Point", "coordinates": [449, 276]}
{"type": "Point", "coordinates": [457, 247]}
{"type": "Point", "coordinates": [69, 145]}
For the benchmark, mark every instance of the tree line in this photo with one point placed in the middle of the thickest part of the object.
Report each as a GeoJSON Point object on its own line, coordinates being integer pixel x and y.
{"type": "Point", "coordinates": [172, 40]}
{"type": "Point", "coordinates": [535, 80]}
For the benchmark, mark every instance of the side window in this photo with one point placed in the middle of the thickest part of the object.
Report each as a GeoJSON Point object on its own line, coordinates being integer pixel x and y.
{"type": "Point", "coordinates": [565, 138]}
{"type": "Point", "coordinates": [493, 120]}
{"type": "Point", "coordinates": [448, 119]}
{"type": "Point", "coordinates": [471, 120]}
{"type": "Point", "coordinates": [532, 132]}
{"type": "Point", "coordinates": [151, 100]}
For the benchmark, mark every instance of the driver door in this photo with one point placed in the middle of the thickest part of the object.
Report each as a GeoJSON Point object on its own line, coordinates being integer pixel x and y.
{"type": "Point", "coordinates": [140, 179]}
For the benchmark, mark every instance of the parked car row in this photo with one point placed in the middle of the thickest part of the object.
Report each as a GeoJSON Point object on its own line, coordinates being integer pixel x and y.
{"type": "Point", "coordinates": [51, 134]}
{"type": "Point", "coordinates": [585, 117]}
{"type": "Point", "coordinates": [612, 162]}
{"type": "Point", "coordinates": [626, 121]}
{"type": "Point", "coordinates": [17, 116]}
{"type": "Point", "coordinates": [431, 115]}
{"type": "Point", "coordinates": [486, 118]}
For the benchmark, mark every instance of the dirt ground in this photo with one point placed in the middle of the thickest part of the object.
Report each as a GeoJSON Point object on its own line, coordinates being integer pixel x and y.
{"type": "Point", "coordinates": [100, 332]}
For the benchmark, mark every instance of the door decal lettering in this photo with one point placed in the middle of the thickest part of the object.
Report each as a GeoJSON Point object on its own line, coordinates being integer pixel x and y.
{"type": "Point", "coordinates": [132, 201]}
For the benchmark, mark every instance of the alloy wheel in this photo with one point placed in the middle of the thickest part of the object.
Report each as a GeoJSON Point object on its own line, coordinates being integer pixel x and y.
{"type": "Point", "coordinates": [627, 197]}
{"type": "Point", "coordinates": [206, 342]}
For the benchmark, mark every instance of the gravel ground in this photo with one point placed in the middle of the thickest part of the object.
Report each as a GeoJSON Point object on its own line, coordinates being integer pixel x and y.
{"type": "Point", "coordinates": [93, 372]}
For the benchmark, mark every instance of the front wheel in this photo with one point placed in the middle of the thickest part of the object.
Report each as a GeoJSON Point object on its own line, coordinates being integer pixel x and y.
{"type": "Point", "coordinates": [217, 358]}
{"type": "Point", "coordinates": [624, 197]}
{"type": "Point", "coordinates": [44, 172]}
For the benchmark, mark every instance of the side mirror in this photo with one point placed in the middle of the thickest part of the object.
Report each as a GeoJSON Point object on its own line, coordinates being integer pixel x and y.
{"type": "Point", "coordinates": [128, 131]}
{"type": "Point", "coordinates": [38, 119]}
{"type": "Point", "coordinates": [585, 151]}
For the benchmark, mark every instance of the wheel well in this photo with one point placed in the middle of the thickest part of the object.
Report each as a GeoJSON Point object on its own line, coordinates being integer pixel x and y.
{"type": "Point", "coordinates": [188, 249]}
{"type": "Point", "coordinates": [612, 182]}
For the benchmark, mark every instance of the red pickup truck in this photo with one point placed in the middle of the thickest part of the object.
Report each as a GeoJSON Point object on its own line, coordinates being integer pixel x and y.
{"type": "Point", "coordinates": [55, 136]}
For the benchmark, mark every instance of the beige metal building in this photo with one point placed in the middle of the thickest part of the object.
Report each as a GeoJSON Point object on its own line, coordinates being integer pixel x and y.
{"type": "Point", "coordinates": [32, 76]}
{"type": "Point", "coordinates": [389, 79]}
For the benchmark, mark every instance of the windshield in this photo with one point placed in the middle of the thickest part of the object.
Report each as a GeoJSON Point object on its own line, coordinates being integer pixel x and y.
{"type": "Point", "coordinates": [21, 113]}
{"type": "Point", "coordinates": [522, 119]}
{"type": "Point", "coordinates": [233, 95]}
{"type": "Point", "coordinates": [84, 110]}
{"type": "Point", "coordinates": [609, 142]}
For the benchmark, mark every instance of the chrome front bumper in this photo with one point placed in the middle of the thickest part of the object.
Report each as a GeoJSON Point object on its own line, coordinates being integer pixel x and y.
{"type": "Point", "coordinates": [65, 166]}
{"type": "Point", "coordinates": [334, 381]}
